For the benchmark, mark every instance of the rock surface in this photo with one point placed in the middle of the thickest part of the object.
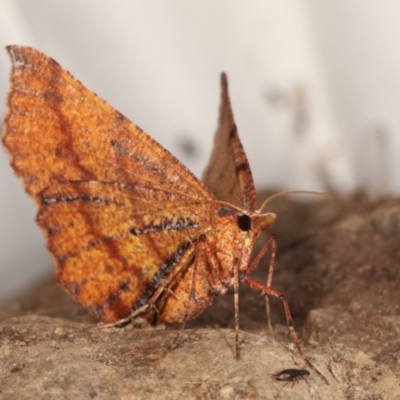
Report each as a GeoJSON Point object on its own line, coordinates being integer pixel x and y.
{"type": "Point", "coordinates": [338, 264]}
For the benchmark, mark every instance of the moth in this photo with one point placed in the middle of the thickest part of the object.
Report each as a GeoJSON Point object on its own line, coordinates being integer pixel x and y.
{"type": "Point", "coordinates": [131, 230]}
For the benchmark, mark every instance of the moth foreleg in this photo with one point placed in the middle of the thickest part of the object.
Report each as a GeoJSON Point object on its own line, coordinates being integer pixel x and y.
{"type": "Point", "coordinates": [207, 261]}
{"type": "Point", "coordinates": [124, 321]}
{"type": "Point", "coordinates": [289, 320]}
{"type": "Point", "coordinates": [271, 243]}
{"type": "Point", "coordinates": [267, 290]}
{"type": "Point", "coordinates": [206, 257]}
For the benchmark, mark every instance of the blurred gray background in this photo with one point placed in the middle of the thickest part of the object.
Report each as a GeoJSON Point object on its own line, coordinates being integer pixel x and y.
{"type": "Point", "coordinates": [315, 88]}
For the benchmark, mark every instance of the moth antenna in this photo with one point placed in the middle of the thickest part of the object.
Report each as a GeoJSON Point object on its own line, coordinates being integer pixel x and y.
{"type": "Point", "coordinates": [279, 194]}
{"type": "Point", "coordinates": [230, 205]}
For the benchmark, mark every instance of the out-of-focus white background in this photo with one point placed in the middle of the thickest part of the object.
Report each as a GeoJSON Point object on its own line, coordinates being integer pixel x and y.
{"type": "Point", "coordinates": [315, 88]}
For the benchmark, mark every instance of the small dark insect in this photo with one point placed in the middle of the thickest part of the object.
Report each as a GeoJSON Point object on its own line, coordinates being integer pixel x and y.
{"type": "Point", "coordinates": [291, 374]}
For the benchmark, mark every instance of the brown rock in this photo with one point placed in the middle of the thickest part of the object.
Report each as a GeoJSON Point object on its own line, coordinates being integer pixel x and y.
{"type": "Point", "coordinates": [339, 266]}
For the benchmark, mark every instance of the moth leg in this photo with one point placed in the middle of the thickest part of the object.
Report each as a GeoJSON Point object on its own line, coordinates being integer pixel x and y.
{"type": "Point", "coordinates": [124, 321]}
{"type": "Point", "coordinates": [267, 290]}
{"type": "Point", "coordinates": [236, 304]}
{"type": "Point", "coordinates": [213, 273]}
{"type": "Point", "coordinates": [172, 293]}
{"type": "Point", "coordinates": [151, 303]}
{"type": "Point", "coordinates": [214, 277]}
{"type": "Point", "coordinates": [289, 320]}
{"type": "Point", "coordinates": [197, 259]}
{"type": "Point", "coordinates": [270, 243]}
{"type": "Point", "coordinates": [205, 256]}
{"type": "Point", "coordinates": [205, 263]}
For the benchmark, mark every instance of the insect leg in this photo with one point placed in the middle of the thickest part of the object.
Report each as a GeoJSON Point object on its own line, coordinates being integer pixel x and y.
{"type": "Point", "coordinates": [267, 290]}
{"type": "Point", "coordinates": [124, 321]}
{"type": "Point", "coordinates": [205, 256]}
{"type": "Point", "coordinates": [200, 251]}
{"type": "Point", "coordinates": [289, 320]}
{"type": "Point", "coordinates": [270, 243]}
{"type": "Point", "coordinates": [205, 263]}
{"type": "Point", "coordinates": [236, 304]}
{"type": "Point", "coordinates": [214, 277]}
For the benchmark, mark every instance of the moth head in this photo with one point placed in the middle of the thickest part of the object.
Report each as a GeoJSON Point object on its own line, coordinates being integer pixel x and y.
{"type": "Point", "coordinates": [260, 222]}
{"type": "Point", "coordinates": [255, 222]}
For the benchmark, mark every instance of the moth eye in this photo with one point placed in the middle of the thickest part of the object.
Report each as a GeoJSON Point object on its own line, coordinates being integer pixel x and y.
{"type": "Point", "coordinates": [244, 222]}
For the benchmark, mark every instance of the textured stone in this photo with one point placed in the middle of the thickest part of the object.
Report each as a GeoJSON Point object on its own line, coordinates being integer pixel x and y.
{"type": "Point", "coordinates": [341, 275]}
